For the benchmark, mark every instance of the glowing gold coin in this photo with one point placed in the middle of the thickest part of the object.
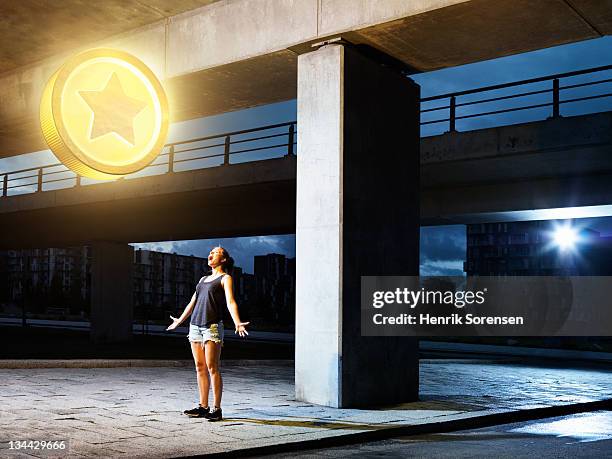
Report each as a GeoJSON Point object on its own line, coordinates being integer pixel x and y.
{"type": "Point", "coordinates": [104, 114]}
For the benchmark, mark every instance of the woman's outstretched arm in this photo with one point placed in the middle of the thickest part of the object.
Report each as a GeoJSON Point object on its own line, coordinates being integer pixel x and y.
{"type": "Point", "coordinates": [176, 321]}
{"type": "Point", "coordinates": [228, 286]}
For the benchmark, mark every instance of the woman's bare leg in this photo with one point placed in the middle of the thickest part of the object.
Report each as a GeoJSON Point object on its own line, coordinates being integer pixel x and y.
{"type": "Point", "coordinates": [202, 372]}
{"type": "Point", "coordinates": [213, 356]}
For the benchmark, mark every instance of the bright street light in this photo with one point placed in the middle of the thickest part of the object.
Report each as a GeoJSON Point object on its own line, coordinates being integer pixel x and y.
{"type": "Point", "coordinates": [565, 237]}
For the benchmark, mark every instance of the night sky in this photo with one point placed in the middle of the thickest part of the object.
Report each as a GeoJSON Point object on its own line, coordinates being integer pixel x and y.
{"type": "Point", "coordinates": [442, 248]}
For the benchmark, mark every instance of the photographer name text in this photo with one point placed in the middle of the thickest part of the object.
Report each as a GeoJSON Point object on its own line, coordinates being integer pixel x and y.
{"type": "Point", "coordinates": [415, 298]}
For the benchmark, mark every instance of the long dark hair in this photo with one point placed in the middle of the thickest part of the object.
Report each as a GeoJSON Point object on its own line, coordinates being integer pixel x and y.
{"type": "Point", "coordinates": [228, 264]}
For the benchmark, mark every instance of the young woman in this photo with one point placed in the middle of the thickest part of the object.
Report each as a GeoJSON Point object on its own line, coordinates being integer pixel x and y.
{"type": "Point", "coordinates": [213, 294]}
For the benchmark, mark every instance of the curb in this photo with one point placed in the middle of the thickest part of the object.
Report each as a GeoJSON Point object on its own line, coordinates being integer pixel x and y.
{"type": "Point", "coordinates": [15, 364]}
{"type": "Point", "coordinates": [135, 363]}
{"type": "Point", "coordinates": [476, 422]}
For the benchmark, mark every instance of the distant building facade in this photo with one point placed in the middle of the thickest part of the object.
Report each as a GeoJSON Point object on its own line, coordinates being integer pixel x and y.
{"type": "Point", "coordinates": [165, 282]}
{"type": "Point", "coordinates": [275, 289]}
{"type": "Point", "coordinates": [528, 249]}
{"type": "Point", "coordinates": [57, 278]}
{"type": "Point", "coordinates": [245, 291]}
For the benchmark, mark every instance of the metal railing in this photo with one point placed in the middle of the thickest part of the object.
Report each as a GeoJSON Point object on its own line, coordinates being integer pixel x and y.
{"type": "Point", "coordinates": [280, 138]}
{"type": "Point", "coordinates": [554, 101]}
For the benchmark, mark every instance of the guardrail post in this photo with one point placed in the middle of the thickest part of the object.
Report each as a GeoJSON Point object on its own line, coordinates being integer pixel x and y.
{"type": "Point", "coordinates": [171, 159]}
{"type": "Point", "coordinates": [290, 140]}
{"type": "Point", "coordinates": [555, 113]}
{"type": "Point", "coordinates": [40, 179]}
{"type": "Point", "coordinates": [226, 153]}
{"type": "Point", "coordinates": [451, 118]}
{"type": "Point", "coordinates": [5, 185]}
{"type": "Point", "coordinates": [78, 180]}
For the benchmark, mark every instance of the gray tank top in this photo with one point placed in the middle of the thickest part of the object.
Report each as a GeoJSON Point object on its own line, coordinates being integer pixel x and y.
{"type": "Point", "coordinates": [210, 302]}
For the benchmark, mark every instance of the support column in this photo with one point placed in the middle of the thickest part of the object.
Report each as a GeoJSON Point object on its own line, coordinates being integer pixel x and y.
{"type": "Point", "coordinates": [111, 292]}
{"type": "Point", "coordinates": [357, 215]}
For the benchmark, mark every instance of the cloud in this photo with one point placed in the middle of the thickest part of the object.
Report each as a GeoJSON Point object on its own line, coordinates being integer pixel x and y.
{"type": "Point", "coordinates": [35, 159]}
{"type": "Point", "coordinates": [442, 268]}
{"type": "Point", "coordinates": [443, 250]}
{"type": "Point", "coordinates": [440, 243]}
{"type": "Point", "coordinates": [242, 249]}
{"type": "Point", "coordinates": [163, 246]}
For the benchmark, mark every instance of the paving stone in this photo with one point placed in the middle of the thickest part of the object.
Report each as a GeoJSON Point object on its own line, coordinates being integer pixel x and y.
{"type": "Point", "coordinates": [137, 411]}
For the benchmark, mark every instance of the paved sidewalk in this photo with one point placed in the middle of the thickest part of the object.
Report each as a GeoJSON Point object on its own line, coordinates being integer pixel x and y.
{"type": "Point", "coordinates": [136, 411]}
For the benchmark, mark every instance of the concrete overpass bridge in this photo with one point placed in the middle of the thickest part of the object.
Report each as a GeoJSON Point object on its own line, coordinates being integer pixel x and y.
{"type": "Point", "coordinates": [247, 179]}
{"type": "Point", "coordinates": [508, 173]}
{"type": "Point", "coordinates": [346, 62]}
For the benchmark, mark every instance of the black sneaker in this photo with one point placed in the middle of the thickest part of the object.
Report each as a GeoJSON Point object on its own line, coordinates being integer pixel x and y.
{"type": "Point", "coordinates": [214, 415]}
{"type": "Point", "coordinates": [197, 412]}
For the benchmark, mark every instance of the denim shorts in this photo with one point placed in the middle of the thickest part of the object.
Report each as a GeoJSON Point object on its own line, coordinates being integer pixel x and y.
{"type": "Point", "coordinates": [214, 332]}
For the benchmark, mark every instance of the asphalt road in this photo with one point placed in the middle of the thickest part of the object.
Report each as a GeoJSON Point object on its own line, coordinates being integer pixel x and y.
{"type": "Point", "coordinates": [56, 339]}
{"type": "Point", "coordinates": [585, 435]}
{"type": "Point", "coordinates": [43, 342]}
{"type": "Point", "coordinates": [151, 329]}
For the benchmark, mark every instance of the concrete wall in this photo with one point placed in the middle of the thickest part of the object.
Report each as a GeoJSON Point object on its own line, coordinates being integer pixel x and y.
{"type": "Point", "coordinates": [319, 262]}
{"type": "Point", "coordinates": [380, 223]}
{"type": "Point", "coordinates": [111, 292]}
{"type": "Point", "coordinates": [559, 147]}
{"type": "Point", "coordinates": [357, 214]}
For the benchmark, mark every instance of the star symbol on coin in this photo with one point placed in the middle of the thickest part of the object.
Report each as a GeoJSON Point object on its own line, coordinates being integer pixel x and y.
{"type": "Point", "coordinates": [113, 110]}
{"type": "Point", "coordinates": [104, 114]}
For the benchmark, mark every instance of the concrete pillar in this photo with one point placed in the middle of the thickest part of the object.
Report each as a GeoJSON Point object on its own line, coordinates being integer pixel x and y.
{"type": "Point", "coordinates": [111, 292]}
{"type": "Point", "coordinates": [357, 215]}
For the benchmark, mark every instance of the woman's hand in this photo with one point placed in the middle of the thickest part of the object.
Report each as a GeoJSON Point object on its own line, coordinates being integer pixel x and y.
{"type": "Point", "coordinates": [175, 323]}
{"type": "Point", "coordinates": [241, 328]}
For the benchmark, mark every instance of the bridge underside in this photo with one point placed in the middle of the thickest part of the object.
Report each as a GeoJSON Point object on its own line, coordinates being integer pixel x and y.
{"type": "Point", "coordinates": [237, 211]}
{"type": "Point", "coordinates": [535, 199]}
{"type": "Point", "coordinates": [551, 169]}
{"type": "Point", "coordinates": [217, 202]}
{"type": "Point", "coordinates": [269, 208]}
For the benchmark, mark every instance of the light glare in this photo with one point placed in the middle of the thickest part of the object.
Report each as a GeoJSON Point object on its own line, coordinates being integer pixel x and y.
{"type": "Point", "coordinates": [565, 237]}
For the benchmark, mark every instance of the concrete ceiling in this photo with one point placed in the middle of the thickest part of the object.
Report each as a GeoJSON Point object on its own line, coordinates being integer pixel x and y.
{"type": "Point", "coordinates": [457, 34]}
{"type": "Point", "coordinates": [32, 30]}
{"type": "Point", "coordinates": [232, 55]}
{"type": "Point", "coordinates": [481, 29]}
